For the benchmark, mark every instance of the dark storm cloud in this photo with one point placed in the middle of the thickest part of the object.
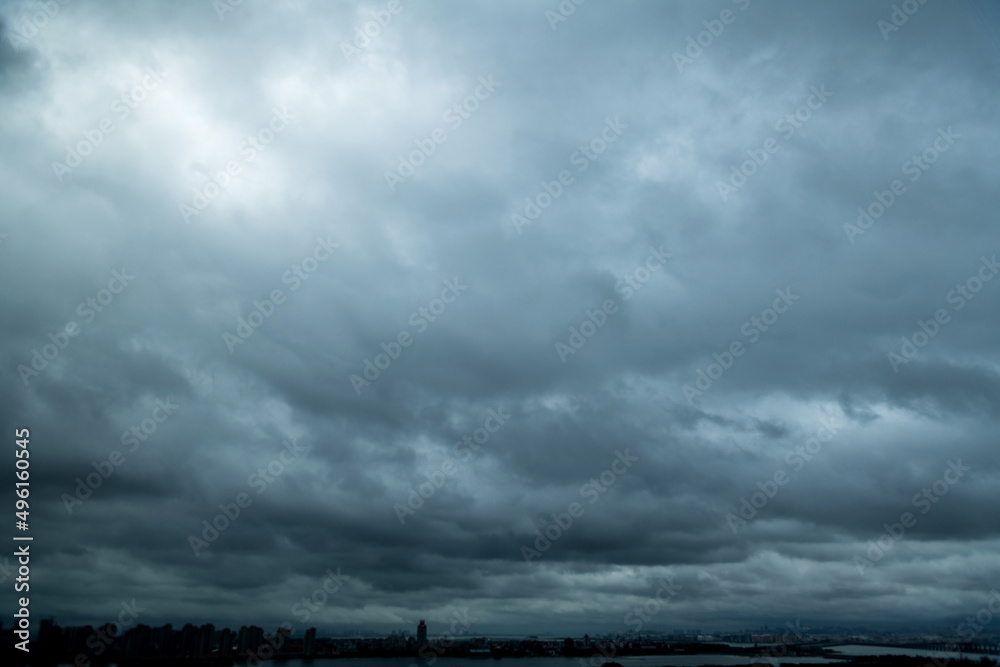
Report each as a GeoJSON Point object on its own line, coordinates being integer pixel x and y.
{"type": "Point", "coordinates": [387, 486]}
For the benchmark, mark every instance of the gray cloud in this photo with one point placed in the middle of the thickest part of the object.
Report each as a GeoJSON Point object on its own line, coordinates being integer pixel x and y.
{"type": "Point", "coordinates": [494, 346]}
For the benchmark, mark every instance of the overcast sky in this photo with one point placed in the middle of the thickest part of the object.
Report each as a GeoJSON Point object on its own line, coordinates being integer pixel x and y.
{"type": "Point", "coordinates": [413, 293]}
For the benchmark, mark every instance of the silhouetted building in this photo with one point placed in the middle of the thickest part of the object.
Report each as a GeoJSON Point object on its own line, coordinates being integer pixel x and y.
{"type": "Point", "coordinates": [309, 645]}
{"type": "Point", "coordinates": [283, 641]}
{"type": "Point", "coordinates": [421, 633]}
{"type": "Point", "coordinates": [204, 646]}
{"type": "Point", "coordinates": [163, 640]}
{"type": "Point", "coordinates": [137, 642]}
{"type": "Point", "coordinates": [225, 643]}
{"type": "Point", "coordinates": [50, 638]}
{"type": "Point", "coordinates": [107, 640]}
{"type": "Point", "coordinates": [242, 640]}
{"type": "Point", "coordinates": [76, 638]}
{"type": "Point", "coordinates": [189, 641]}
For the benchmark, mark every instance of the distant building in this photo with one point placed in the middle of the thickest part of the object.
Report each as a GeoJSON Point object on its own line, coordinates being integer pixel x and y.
{"type": "Point", "coordinates": [309, 645]}
{"type": "Point", "coordinates": [189, 641]}
{"type": "Point", "coordinates": [50, 638]}
{"type": "Point", "coordinates": [75, 638]}
{"type": "Point", "coordinates": [204, 643]}
{"type": "Point", "coordinates": [163, 640]}
{"type": "Point", "coordinates": [249, 639]}
{"type": "Point", "coordinates": [137, 642]}
{"type": "Point", "coordinates": [421, 633]}
{"type": "Point", "coordinates": [283, 639]}
{"type": "Point", "coordinates": [226, 643]}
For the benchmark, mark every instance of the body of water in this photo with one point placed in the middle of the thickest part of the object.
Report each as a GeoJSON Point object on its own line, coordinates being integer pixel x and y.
{"type": "Point", "coordinates": [625, 661]}
{"type": "Point", "coordinates": [861, 649]}
{"type": "Point", "coordinates": [847, 650]}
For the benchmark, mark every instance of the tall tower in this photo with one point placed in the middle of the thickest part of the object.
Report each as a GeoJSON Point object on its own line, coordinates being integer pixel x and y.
{"type": "Point", "coordinates": [421, 633]}
{"type": "Point", "coordinates": [309, 643]}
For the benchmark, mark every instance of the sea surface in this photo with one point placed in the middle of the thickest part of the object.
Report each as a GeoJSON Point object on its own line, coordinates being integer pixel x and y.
{"type": "Point", "coordinates": [847, 650]}
{"type": "Point", "coordinates": [860, 649]}
{"type": "Point", "coordinates": [626, 661]}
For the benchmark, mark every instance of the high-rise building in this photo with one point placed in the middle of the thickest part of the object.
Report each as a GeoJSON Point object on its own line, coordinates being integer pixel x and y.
{"type": "Point", "coordinates": [163, 639]}
{"type": "Point", "coordinates": [243, 640]}
{"type": "Point", "coordinates": [421, 633]}
{"type": "Point", "coordinates": [225, 643]}
{"type": "Point", "coordinates": [137, 642]}
{"type": "Point", "coordinates": [309, 645]}
{"type": "Point", "coordinates": [204, 645]}
{"type": "Point", "coordinates": [76, 638]}
{"type": "Point", "coordinates": [283, 640]}
{"type": "Point", "coordinates": [50, 638]}
{"type": "Point", "coordinates": [256, 637]}
{"type": "Point", "coordinates": [189, 641]}
{"type": "Point", "coordinates": [112, 644]}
